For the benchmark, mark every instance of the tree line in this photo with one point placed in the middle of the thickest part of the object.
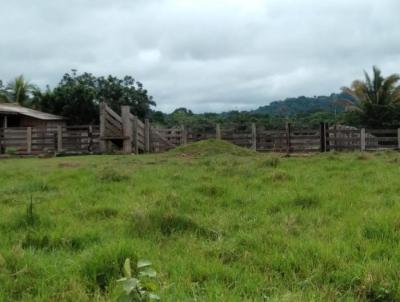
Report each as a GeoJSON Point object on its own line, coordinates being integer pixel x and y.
{"type": "Point", "coordinates": [372, 102]}
{"type": "Point", "coordinates": [77, 96]}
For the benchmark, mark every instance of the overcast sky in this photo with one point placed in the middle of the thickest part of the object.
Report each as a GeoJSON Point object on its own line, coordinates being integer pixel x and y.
{"type": "Point", "coordinates": [214, 55]}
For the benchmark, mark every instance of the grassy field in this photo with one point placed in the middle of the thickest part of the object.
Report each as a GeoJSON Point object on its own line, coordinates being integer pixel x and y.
{"type": "Point", "coordinates": [219, 223]}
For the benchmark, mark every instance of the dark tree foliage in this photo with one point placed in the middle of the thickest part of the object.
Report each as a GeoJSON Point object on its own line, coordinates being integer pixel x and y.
{"type": "Point", "coordinates": [302, 104]}
{"type": "Point", "coordinates": [77, 97]}
{"type": "Point", "coordinates": [3, 96]}
{"type": "Point", "coordinates": [117, 92]}
{"type": "Point", "coordinates": [241, 120]}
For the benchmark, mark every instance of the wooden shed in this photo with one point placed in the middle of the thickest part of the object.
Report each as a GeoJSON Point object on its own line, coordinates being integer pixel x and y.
{"type": "Point", "coordinates": [14, 115]}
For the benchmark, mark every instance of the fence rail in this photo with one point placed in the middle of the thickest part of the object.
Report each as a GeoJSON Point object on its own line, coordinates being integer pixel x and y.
{"type": "Point", "coordinates": [292, 139]}
{"type": "Point", "coordinates": [33, 140]}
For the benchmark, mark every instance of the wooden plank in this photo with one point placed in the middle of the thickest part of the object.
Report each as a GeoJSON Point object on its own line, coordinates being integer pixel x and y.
{"type": "Point", "coordinates": [381, 131]}
{"type": "Point", "coordinates": [127, 129]}
{"type": "Point", "coordinates": [59, 139]}
{"type": "Point", "coordinates": [288, 130]}
{"type": "Point", "coordinates": [112, 137]}
{"type": "Point", "coordinates": [382, 139]}
{"type": "Point", "coordinates": [103, 144]}
{"type": "Point", "coordinates": [345, 139]}
{"type": "Point", "coordinates": [160, 137]}
{"type": "Point", "coordinates": [147, 136]}
{"type": "Point", "coordinates": [362, 139]}
{"type": "Point", "coordinates": [135, 135]}
{"type": "Point", "coordinates": [140, 123]}
{"type": "Point", "coordinates": [111, 129]}
{"type": "Point", "coordinates": [218, 131]}
{"type": "Point", "coordinates": [113, 122]}
{"type": "Point", "coordinates": [398, 138]}
{"type": "Point", "coordinates": [29, 139]}
{"type": "Point", "coordinates": [313, 137]}
{"type": "Point", "coordinates": [109, 111]}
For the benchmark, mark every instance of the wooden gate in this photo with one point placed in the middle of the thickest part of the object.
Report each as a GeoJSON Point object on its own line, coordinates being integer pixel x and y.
{"type": "Point", "coordinates": [127, 133]}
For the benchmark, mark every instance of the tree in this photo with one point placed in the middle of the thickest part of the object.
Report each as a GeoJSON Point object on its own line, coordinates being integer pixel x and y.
{"type": "Point", "coordinates": [77, 97]}
{"type": "Point", "coordinates": [3, 95]}
{"type": "Point", "coordinates": [126, 91]}
{"type": "Point", "coordinates": [377, 99]}
{"type": "Point", "coordinates": [19, 91]}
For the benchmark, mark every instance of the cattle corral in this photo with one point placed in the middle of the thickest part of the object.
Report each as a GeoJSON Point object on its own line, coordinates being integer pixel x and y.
{"type": "Point", "coordinates": [127, 134]}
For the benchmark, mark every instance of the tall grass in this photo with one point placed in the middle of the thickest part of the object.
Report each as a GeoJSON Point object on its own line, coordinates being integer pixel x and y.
{"type": "Point", "coordinates": [217, 226]}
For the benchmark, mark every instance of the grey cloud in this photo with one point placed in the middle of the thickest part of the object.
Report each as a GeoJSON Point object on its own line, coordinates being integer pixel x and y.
{"type": "Point", "coordinates": [202, 54]}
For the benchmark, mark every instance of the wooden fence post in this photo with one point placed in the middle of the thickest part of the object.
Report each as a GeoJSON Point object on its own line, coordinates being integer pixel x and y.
{"type": "Point", "coordinates": [59, 139]}
{"type": "Point", "coordinates": [253, 136]}
{"type": "Point", "coordinates": [183, 135]}
{"type": "Point", "coordinates": [2, 139]}
{"type": "Point", "coordinates": [135, 134]}
{"type": "Point", "coordinates": [334, 137]}
{"type": "Point", "coordinates": [147, 135]}
{"type": "Point", "coordinates": [362, 139]}
{"type": "Point", "coordinates": [218, 131]}
{"type": "Point", "coordinates": [322, 137]}
{"type": "Point", "coordinates": [29, 139]}
{"type": "Point", "coordinates": [288, 132]}
{"type": "Point", "coordinates": [327, 139]}
{"type": "Point", "coordinates": [126, 129]}
{"type": "Point", "coordinates": [103, 145]}
{"type": "Point", "coordinates": [398, 138]}
{"type": "Point", "coordinates": [90, 138]}
{"type": "Point", "coordinates": [2, 144]}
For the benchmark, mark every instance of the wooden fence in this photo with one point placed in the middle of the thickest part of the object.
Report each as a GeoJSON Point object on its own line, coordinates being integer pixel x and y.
{"type": "Point", "coordinates": [32, 140]}
{"type": "Point", "coordinates": [292, 138]}
{"type": "Point", "coordinates": [128, 134]}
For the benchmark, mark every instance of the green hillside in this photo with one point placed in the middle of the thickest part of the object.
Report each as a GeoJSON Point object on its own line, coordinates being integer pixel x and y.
{"type": "Point", "coordinates": [302, 104]}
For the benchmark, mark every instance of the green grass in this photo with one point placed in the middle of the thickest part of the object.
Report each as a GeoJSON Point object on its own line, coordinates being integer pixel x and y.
{"type": "Point", "coordinates": [219, 223]}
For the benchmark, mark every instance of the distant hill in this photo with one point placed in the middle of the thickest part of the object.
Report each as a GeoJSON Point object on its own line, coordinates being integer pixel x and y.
{"type": "Point", "coordinates": [302, 104]}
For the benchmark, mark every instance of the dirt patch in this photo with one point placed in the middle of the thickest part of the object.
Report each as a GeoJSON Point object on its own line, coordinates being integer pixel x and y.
{"type": "Point", "coordinates": [68, 165]}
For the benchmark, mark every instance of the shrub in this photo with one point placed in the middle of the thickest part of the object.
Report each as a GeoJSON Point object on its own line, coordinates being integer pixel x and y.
{"type": "Point", "coordinates": [138, 288]}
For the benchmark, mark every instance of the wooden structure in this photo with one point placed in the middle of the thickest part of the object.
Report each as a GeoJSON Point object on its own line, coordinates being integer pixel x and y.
{"type": "Point", "coordinates": [126, 133]}
{"type": "Point", "coordinates": [291, 138]}
{"type": "Point", "coordinates": [14, 115]}
{"type": "Point", "coordinates": [61, 139]}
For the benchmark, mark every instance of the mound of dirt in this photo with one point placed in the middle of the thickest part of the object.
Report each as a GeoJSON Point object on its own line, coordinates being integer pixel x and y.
{"type": "Point", "coordinates": [211, 147]}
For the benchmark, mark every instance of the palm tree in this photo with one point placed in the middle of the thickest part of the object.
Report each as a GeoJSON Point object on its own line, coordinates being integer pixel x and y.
{"type": "Point", "coordinates": [19, 90]}
{"type": "Point", "coordinates": [377, 98]}
{"type": "Point", "coordinates": [3, 94]}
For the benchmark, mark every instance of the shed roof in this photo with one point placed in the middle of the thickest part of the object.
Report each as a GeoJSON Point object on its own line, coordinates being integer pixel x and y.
{"type": "Point", "coordinates": [12, 108]}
